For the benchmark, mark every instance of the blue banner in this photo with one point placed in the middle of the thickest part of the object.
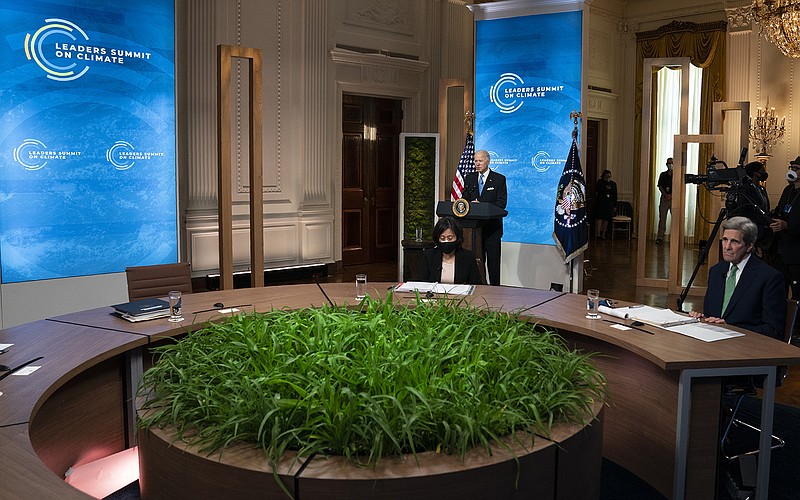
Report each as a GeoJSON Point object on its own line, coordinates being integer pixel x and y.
{"type": "Point", "coordinates": [528, 80]}
{"type": "Point", "coordinates": [87, 137]}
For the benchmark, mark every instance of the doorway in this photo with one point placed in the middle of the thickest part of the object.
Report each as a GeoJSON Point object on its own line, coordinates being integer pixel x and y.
{"type": "Point", "coordinates": [371, 129]}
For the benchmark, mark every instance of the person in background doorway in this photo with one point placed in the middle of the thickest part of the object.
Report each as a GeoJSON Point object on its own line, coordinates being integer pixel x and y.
{"type": "Point", "coordinates": [665, 203]}
{"type": "Point", "coordinates": [605, 203]}
{"type": "Point", "coordinates": [447, 262]}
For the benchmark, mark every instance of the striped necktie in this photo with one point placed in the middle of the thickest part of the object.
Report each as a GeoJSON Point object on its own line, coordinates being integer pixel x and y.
{"type": "Point", "coordinates": [730, 284]}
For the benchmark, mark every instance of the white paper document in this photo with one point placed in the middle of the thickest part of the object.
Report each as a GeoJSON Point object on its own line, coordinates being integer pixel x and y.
{"type": "Point", "coordinates": [441, 288]}
{"type": "Point", "coordinates": [663, 318]}
{"type": "Point", "coordinates": [706, 332]}
{"type": "Point", "coordinates": [672, 321]}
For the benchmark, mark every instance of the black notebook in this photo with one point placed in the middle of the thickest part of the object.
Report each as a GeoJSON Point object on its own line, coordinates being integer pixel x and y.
{"type": "Point", "coordinates": [143, 307]}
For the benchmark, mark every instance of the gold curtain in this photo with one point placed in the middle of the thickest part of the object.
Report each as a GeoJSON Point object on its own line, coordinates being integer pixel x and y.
{"type": "Point", "coordinates": [704, 44]}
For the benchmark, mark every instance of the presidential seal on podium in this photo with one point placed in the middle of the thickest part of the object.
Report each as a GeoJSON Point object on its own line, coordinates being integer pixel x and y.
{"type": "Point", "coordinates": [460, 207]}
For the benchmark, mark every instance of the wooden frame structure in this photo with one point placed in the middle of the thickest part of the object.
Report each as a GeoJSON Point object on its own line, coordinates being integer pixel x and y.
{"type": "Point", "coordinates": [225, 53]}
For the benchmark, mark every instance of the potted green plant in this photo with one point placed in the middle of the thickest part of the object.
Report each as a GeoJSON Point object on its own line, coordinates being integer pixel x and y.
{"type": "Point", "coordinates": [380, 380]}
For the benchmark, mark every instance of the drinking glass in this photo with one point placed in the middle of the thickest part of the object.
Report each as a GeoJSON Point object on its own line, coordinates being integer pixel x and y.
{"type": "Point", "coordinates": [175, 306]}
{"type": "Point", "coordinates": [418, 234]}
{"type": "Point", "coordinates": [592, 303]}
{"type": "Point", "coordinates": [361, 286]}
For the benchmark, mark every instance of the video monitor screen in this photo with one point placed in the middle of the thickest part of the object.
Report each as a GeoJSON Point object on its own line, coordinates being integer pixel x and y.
{"type": "Point", "coordinates": [87, 137]}
{"type": "Point", "coordinates": [528, 81]}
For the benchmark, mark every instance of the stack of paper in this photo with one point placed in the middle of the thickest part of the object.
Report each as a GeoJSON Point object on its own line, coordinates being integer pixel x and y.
{"type": "Point", "coordinates": [672, 321]}
{"type": "Point", "coordinates": [441, 288]}
{"type": "Point", "coordinates": [142, 310]}
{"type": "Point", "coordinates": [663, 318]}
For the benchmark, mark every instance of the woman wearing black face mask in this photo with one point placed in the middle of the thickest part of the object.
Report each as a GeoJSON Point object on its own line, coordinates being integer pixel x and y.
{"type": "Point", "coordinates": [447, 262]}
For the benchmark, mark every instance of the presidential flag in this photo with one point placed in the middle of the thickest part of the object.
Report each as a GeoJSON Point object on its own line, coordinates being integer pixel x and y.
{"type": "Point", "coordinates": [571, 232]}
{"type": "Point", "coordinates": [466, 165]}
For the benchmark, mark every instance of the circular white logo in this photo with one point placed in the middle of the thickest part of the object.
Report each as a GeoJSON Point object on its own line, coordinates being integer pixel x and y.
{"type": "Point", "coordinates": [539, 161]}
{"type": "Point", "coordinates": [28, 154]}
{"type": "Point", "coordinates": [120, 156]}
{"type": "Point", "coordinates": [496, 93]}
{"type": "Point", "coordinates": [36, 49]}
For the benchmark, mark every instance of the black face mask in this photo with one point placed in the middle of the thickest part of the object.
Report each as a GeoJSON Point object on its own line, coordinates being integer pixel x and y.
{"type": "Point", "coordinates": [448, 246]}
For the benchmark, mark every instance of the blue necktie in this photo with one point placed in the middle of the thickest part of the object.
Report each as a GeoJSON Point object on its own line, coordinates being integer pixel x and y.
{"type": "Point", "coordinates": [480, 184]}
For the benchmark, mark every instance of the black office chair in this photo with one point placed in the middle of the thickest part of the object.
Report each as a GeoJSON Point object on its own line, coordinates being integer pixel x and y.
{"type": "Point", "coordinates": [743, 390]}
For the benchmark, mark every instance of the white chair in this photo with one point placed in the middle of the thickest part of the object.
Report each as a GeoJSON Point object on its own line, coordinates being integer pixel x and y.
{"type": "Point", "coordinates": [622, 219]}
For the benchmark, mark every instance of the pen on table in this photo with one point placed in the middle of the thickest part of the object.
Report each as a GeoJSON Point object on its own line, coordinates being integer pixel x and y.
{"type": "Point", "coordinates": [629, 326]}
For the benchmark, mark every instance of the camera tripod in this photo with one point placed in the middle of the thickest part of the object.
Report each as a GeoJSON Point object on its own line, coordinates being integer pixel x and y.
{"type": "Point", "coordinates": [703, 256]}
{"type": "Point", "coordinates": [736, 200]}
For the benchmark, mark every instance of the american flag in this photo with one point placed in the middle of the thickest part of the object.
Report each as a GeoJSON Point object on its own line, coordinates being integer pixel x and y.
{"type": "Point", "coordinates": [466, 165]}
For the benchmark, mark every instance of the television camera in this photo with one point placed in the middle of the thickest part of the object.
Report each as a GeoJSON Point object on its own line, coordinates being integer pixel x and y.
{"type": "Point", "coordinates": [742, 197]}
{"type": "Point", "coordinates": [740, 189]}
{"type": "Point", "coordinates": [720, 178]}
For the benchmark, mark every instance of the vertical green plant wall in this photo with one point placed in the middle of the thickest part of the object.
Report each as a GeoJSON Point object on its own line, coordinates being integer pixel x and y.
{"type": "Point", "coordinates": [419, 185]}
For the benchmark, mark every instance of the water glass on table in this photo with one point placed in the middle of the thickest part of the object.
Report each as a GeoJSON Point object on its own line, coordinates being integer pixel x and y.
{"type": "Point", "coordinates": [361, 286]}
{"type": "Point", "coordinates": [175, 306]}
{"type": "Point", "coordinates": [592, 303]}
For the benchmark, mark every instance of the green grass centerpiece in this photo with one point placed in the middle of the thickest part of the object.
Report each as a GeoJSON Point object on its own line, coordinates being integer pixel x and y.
{"type": "Point", "coordinates": [382, 379]}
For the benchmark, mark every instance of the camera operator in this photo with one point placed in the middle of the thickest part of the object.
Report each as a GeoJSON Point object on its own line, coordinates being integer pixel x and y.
{"type": "Point", "coordinates": [753, 203]}
{"type": "Point", "coordinates": [754, 191]}
{"type": "Point", "coordinates": [786, 225]}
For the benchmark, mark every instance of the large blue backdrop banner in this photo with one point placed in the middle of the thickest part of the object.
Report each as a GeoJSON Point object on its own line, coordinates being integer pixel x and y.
{"type": "Point", "coordinates": [87, 137]}
{"type": "Point", "coordinates": [528, 80]}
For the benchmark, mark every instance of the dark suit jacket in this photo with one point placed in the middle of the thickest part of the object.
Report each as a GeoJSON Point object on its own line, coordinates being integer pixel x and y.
{"type": "Point", "coordinates": [494, 192]}
{"type": "Point", "coordinates": [790, 239]}
{"type": "Point", "coordinates": [466, 272]}
{"type": "Point", "coordinates": [758, 302]}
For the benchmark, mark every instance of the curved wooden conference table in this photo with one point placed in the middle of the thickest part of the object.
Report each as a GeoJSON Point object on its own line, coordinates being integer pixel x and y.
{"type": "Point", "coordinates": [661, 421]}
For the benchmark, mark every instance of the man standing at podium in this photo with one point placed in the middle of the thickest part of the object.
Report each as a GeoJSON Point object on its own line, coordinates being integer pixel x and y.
{"type": "Point", "coordinates": [488, 186]}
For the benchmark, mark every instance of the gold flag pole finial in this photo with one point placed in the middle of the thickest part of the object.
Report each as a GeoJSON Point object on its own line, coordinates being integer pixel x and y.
{"type": "Point", "coordinates": [469, 121]}
{"type": "Point", "coordinates": [575, 116]}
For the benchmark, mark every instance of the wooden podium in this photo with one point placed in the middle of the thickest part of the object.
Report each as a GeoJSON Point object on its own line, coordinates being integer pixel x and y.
{"type": "Point", "coordinates": [477, 216]}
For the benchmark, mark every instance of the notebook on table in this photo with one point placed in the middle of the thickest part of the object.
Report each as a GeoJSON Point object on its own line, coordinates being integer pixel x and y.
{"type": "Point", "coordinates": [143, 309]}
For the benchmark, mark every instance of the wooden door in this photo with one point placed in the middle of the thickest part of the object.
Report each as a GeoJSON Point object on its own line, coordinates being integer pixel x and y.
{"type": "Point", "coordinates": [370, 155]}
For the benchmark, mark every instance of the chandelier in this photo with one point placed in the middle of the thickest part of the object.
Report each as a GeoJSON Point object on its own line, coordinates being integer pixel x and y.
{"type": "Point", "coordinates": [779, 22]}
{"type": "Point", "coordinates": [765, 131]}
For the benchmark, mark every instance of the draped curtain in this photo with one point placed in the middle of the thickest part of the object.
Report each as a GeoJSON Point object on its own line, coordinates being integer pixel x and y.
{"type": "Point", "coordinates": [666, 120]}
{"type": "Point", "coordinates": [704, 44]}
